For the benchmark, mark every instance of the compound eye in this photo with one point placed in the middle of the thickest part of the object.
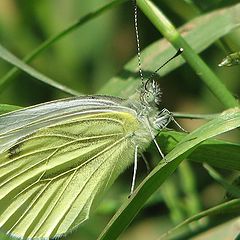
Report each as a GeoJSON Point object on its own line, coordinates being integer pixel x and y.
{"type": "Point", "coordinates": [149, 97]}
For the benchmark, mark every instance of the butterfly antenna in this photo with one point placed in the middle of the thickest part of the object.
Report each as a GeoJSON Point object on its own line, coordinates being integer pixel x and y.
{"type": "Point", "coordinates": [137, 40]}
{"type": "Point", "coordinates": [180, 50]}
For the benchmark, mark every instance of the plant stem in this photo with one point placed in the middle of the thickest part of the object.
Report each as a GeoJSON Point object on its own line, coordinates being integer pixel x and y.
{"type": "Point", "coordinates": [167, 29]}
{"type": "Point", "coordinates": [196, 116]}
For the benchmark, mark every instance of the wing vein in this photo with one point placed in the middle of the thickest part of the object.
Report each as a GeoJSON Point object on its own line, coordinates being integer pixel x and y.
{"type": "Point", "coordinates": [92, 158]}
{"type": "Point", "coordinates": [56, 201]}
{"type": "Point", "coordinates": [29, 207]}
{"type": "Point", "coordinates": [94, 172]}
{"type": "Point", "coordinates": [52, 148]}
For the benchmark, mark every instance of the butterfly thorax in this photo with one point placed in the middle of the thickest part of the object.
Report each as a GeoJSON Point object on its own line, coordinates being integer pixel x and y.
{"type": "Point", "coordinates": [145, 103]}
{"type": "Point", "coordinates": [146, 100]}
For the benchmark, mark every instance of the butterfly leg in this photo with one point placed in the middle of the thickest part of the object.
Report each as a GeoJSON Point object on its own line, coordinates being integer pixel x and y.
{"type": "Point", "coordinates": [146, 162]}
{"type": "Point", "coordinates": [158, 148]}
{"type": "Point", "coordinates": [179, 126]}
{"type": "Point", "coordinates": [154, 139]}
{"type": "Point", "coordinates": [134, 171]}
{"type": "Point", "coordinates": [164, 118]}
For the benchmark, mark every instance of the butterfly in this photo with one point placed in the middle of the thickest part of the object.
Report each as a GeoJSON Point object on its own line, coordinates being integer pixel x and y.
{"type": "Point", "coordinates": [57, 159]}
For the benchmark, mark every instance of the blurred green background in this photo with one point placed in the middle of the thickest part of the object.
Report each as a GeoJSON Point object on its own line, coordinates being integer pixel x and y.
{"type": "Point", "coordinates": [88, 57]}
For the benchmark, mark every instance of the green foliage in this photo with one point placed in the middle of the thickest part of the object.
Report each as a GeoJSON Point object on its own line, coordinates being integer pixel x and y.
{"type": "Point", "coordinates": [81, 55]}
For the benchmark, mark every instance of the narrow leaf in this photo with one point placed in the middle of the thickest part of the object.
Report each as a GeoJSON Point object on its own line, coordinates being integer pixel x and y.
{"type": "Point", "coordinates": [4, 108]}
{"type": "Point", "coordinates": [229, 120]}
{"type": "Point", "coordinates": [9, 57]}
{"type": "Point", "coordinates": [220, 154]}
{"type": "Point", "coordinates": [233, 205]}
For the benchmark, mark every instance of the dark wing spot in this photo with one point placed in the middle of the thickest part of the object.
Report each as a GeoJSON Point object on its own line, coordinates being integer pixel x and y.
{"type": "Point", "coordinates": [14, 151]}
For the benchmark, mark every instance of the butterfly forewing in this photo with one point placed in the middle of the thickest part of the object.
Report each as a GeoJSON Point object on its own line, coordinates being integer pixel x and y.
{"type": "Point", "coordinates": [51, 174]}
{"type": "Point", "coordinates": [15, 125]}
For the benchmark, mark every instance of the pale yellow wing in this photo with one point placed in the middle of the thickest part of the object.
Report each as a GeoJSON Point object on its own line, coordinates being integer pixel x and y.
{"type": "Point", "coordinates": [50, 178]}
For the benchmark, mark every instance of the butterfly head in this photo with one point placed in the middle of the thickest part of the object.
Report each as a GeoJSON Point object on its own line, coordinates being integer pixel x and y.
{"type": "Point", "coordinates": [151, 93]}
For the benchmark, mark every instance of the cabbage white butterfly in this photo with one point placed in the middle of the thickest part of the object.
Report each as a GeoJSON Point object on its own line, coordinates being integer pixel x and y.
{"type": "Point", "coordinates": [58, 158]}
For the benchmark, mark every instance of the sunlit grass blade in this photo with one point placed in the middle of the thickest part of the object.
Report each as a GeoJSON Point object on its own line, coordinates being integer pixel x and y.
{"type": "Point", "coordinates": [227, 121]}
{"type": "Point", "coordinates": [233, 205]}
{"type": "Point", "coordinates": [220, 154]}
{"type": "Point", "coordinates": [195, 116]}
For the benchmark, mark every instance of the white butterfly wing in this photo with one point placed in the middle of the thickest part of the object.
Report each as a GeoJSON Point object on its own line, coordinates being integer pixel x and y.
{"type": "Point", "coordinates": [20, 123]}
{"type": "Point", "coordinates": [56, 159]}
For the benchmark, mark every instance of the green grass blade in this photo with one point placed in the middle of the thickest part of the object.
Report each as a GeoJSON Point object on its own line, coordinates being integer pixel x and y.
{"type": "Point", "coordinates": [220, 154]}
{"type": "Point", "coordinates": [192, 204]}
{"type": "Point", "coordinates": [80, 22]}
{"type": "Point", "coordinates": [9, 57]}
{"type": "Point", "coordinates": [233, 205]}
{"type": "Point", "coordinates": [172, 200]}
{"type": "Point", "coordinates": [132, 206]}
{"type": "Point", "coordinates": [5, 108]}
{"type": "Point", "coordinates": [227, 121]}
{"type": "Point", "coordinates": [195, 116]}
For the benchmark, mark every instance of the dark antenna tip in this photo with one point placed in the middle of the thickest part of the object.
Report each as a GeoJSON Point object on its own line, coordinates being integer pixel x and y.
{"type": "Point", "coordinates": [179, 51]}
